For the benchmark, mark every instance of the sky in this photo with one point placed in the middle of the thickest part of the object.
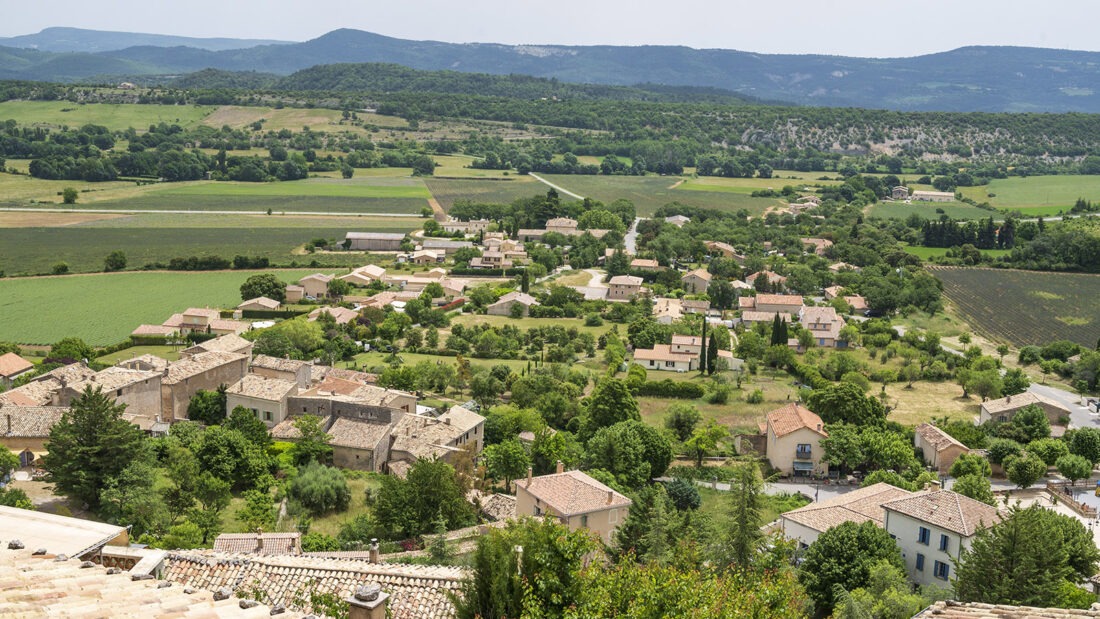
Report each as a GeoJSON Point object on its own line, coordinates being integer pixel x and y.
{"type": "Point", "coordinates": [879, 28]}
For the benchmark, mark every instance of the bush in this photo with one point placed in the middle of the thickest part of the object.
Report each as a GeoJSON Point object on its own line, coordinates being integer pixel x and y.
{"type": "Point", "coordinates": [320, 489]}
{"type": "Point", "coordinates": [669, 388]}
{"type": "Point", "coordinates": [756, 397]}
{"type": "Point", "coordinates": [684, 494]}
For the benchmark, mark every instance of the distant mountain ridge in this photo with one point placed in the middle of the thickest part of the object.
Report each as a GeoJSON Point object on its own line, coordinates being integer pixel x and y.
{"type": "Point", "coordinates": [60, 39]}
{"type": "Point", "coordinates": [991, 79]}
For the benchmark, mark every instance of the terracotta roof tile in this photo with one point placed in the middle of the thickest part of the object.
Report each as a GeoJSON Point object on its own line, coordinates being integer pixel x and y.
{"type": "Point", "coordinates": [250, 543]}
{"type": "Point", "coordinates": [12, 364]}
{"type": "Point", "coordinates": [792, 417]}
{"type": "Point", "coordinates": [937, 438]}
{"type": "Point", "coordinates": [573, 492]}
{"type": "Point", "coordinates": [947, 510]}
{"type": "Point", "coordinates": [862, 505]}
{"type": "Point", "coordinates": [28, 421]}
{"type": "Point", "coordinates": [951, 609]}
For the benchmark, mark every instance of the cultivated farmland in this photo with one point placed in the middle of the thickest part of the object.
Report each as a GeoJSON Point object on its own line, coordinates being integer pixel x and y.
{"type": "Point", "coordinates": [1025, 307]}
{"type": "Point", "coordinates": [448, 190]}
{"type": "Point", "coordinates": [103, 309]}
{"type": "Point", "coordinates": [929, 210]}
{"type": "Point", "coordinates": [1037, 195]}
{"type": "Point", "coordinates": [648, 193]}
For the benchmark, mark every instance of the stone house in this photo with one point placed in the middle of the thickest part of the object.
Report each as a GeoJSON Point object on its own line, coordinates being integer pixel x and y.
{"type": "Point", "coordinates": [575, 499]}
{"type": "Point", "coordinates": [725, 250]}
{"type": "Point", "coordinates": [940, 449]}
{"type": "Point", "coordinates": [427, 256]}
{"type": "Point", "coordinates": [294, 293]}
{"type": "Point", "coordinates": [932, 529]}
{"type": "Point", "coordinates": [503, 307]}
{"type": "Point", "coordinates": [341, 315]}
{"type": "Point", "coordinates": [697, 281]}
{"type": "Point", "coordinates": [139, 390]}
{"type": "Point", "coordinates": [204, 371]}
{"type": "Point", "coordinates": [473, 226]}
{"type": "Point", "coordinates": [774, 279]}
{"type": "Point", "coordinates": [45, 390]}
{"type": "Point", "coordinates": [266, 397]}
{"type": "Point", "coordinates": [416, 437]}
{"type": "Point", "coordinates": [623, 287]}
{"type": "Point", "coordinates": [818, 246]}
{"type": "Point", "coordinates": [25, 429]}
{"type": "Point", "coordinates": [824, 324]}
{"type": "Point", "coordinates": [562, 225]}
{"type": "Point", "coordinates": [292, 370]}
{"type": "Point", "coordinates": [775, 303]}
{"type": "Point", "coordinates": [447, 247]}
{"type": "Point", "coordinates": [901, 192]}
{"type": "Point", "coordinates": [364, 275]}
{"type": "Point", "coordinates": [230, 342]}
{"type": "Point", "coordinates": [688, 344]}
{"type": "Point", "coordinates": [12, 366]}
{"type": "Point", "coordinates": [1004, 409]}
{"type": "Point", "coordinates": [645, 264]}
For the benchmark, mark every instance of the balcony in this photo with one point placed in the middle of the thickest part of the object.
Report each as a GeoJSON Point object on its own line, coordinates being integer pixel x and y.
{"type": "Point", "coordinates": [803, 454]}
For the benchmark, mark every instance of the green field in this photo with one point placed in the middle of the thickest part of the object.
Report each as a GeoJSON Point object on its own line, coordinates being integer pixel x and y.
{"type": "Point", "coordinates": [929, 252]}
{"type": "Point", "coordinates": [648, 193]}
{"type": "Point", "coordinates": [113, 116]}
{"type": "Point", "coordinates": [447, 190]}
{"type": "Point", "coordinates": [105, 308]}
{"type": "Point", "coordinates": [1037, 195]}
{"type": "Point", "coordinates": [312, 187]}
{"type": "Point", "coordinates": [929, 210]}
{"type": "Point", "coordinates": [1025, 307]}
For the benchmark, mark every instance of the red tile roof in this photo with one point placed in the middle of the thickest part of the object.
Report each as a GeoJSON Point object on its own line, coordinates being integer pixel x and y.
{"type": "Point", "coordinates": [793, 417]}
{"type": "Point", "coordinates": [573, 493]}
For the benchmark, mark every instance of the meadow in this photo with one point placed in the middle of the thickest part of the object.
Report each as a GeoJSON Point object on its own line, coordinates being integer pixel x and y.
{"type": "Point", "coordinates": [1025, 307]}
{"type": "Point", "coordinates": [113, 116]}
{"type": "Point", "coordinates": [930, 252]}
{"type": "Point", "coordinates": [104, 308]}
{"type": "Point", "coordinates": [1036, 195]}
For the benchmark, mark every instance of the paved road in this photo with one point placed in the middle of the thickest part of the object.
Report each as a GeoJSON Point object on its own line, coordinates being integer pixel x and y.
{"type": "Point", "coordinates": [630, 240]}
{"type": "Point", "coordinates": [596, 289]}
{"type": "Point", "coordinates": [559, 189]}
{"type": "Point", "coordinates": [181, 212]}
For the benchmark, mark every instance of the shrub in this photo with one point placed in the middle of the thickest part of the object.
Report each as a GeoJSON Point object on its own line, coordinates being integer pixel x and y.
{"type": "Point", "coordinates": [756, 397]}
{"type": "Point", "coordinates": [320, 489]}
{"type": "Point", "coordinates": [669, 388]}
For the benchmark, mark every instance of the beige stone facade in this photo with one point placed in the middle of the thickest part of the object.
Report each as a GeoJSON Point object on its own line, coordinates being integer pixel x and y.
{"type": "Point", "coordinates": [574, 499]}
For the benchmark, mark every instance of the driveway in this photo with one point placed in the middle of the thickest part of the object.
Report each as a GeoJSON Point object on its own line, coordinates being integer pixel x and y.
{"type": "Point", "coordinates": [630, 239]}
{"type": "Point", "coordinates": [596, 289]}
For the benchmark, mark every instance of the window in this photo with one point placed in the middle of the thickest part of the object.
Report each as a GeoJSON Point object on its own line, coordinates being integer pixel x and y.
{"type": "Point", "coordinates": [267, 415]}
{"type": "Point", "coordinates": [670, 364]}
{"type": "Point", "coordinates": [941, 570]}
{"type": "Point", "coordinates": [538, 510]}
{"type": "Point", "coordinates": [584, 520]}
{"type": "Point", "coordinates": [920, 562]}
{"type": "Point", "coordinates": [944, 542]}
{"type": "Point", "coordinates": [118, 394]}
{"type": "Point", "coordinates": [923, 536]}
{"type": "Point", "coordinates": [613, 516]}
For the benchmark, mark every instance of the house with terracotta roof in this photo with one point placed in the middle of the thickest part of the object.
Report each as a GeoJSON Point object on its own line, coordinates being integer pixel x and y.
{"type": "Point", "coordinates": [260, 304]}
{"type": "Point", "coordinates": [678, 220]}
{"type": "Point", "coordinates": [806, 523]}
{"type": "Point", "coordinates": [230, 342]}
{"type": "Point", "coordinates": [792, 439]}
{"type": "Point", "coordinates": [783, 303]}
{"type": "Point", "coordinates": [824, 324]}
{"type": "Point", "coordinates": [940, 449]}
{"type": "Point", "coordinates": [260, 543]}
{"type": "Point", "coordinates": [364, 275]}
{"type": "Point", "coordinates": [697, 281]}
{"type": "Point", "coordinates": [951, 609]}
{"type": "Point", "coordinates": [818, 246]}
{"type": "Point", "coordinates": [315, 285]}
{"type": "Point", "coordinates": [12, 366]}
{"type": "Point", "coordinates": [645, 264]}
{"type": "Point", "coordinates": [751, 317]}
{"type": "Point", "coordinates": [293, 370]}
{"type": "Point", "coordinates": [341, 315]}
{"type": "Point", "coordinates": [1004, 409]}
{"type": "Point", "coordinates": [416, 437]}
{"type": "Point", "coordinates": [25, 429]}
{"type": "Point", "coordinates": [45, 390]}
{"type": "Point", "coordinates": [725, 250]}
{"type": "Point", "coordinates": [503, 307]}
{"type": "Point", "coordinates": [775, 280]}
{"type": "Point", "coordinates": [932, 529]}
{"type": "Point", "coordinates": [623, 287]}
{"type": "Point", "coordinates": [205, 371]}
{"type": "Point", "coordinates": [294, 293]}
{"type": "Point", "coordinates": [139, 390]}
{"type": "Point", "coordinates": [575, 499]}
{"type": "Point", "coordinates": [663, 357]}
{"type": "Point", "coordinates": [264, 396]}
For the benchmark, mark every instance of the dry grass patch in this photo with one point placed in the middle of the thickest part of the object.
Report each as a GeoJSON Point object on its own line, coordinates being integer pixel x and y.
{"type": "Point", "coordinates": [927, 400]}
{"type": "Point", "coordinates": [51, 220]}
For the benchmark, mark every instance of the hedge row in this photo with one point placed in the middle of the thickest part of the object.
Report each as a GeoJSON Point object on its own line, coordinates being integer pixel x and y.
{"type": "Point", "coordinates": [669, 388]}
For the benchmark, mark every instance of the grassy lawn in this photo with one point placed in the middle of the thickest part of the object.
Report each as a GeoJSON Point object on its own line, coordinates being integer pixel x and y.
{"type": "Point", "coordinates": [929, 210]}
{"type": "Point", "coordinates": [927, 400]}
{"type": "Point", "coordinates": [104, 308]}
{"type": "Point", "coordinates": [527, 323]}
{"type": "Point", "coordinates": [737, 414]}
{"type": "Point", "coordinates": [113, 116]}
{"type": "Point", "coordinates": [456, 166]}
{"type": "Point", "coordinates": [17, 189]}
{"type": "Point", "coordinates": [329, 524]}
{"type": "Point", "coordinates": [171, 353]}
{"type": "Point", "coordinates": [716, 504]}
{"type": "Point", "coordinates": [1037, 195]}
{"type": "Point", "coordinates": [368, 360]}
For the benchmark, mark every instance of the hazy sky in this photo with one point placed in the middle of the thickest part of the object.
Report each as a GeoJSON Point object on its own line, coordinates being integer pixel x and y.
{"type": "Point", "coordinates": [849, 27]}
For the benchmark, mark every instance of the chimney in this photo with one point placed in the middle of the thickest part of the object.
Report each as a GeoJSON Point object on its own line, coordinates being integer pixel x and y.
{"type": "Point", "coordinates": [373, 550]}
{"type": "Point", "coordinates": [530, 472]}
{"type": "Point", "coordinates": [1008, 399]}
{"type": "Point", "coordinates": [368, 602]}
{"type": "Point", "coordinates": [561, 467]}
{"type": "Point", "coordinates": [447, 420]}
{"type": "Point", "coordinates": [259, 540]}
{"type": "Point", "coordinates": [610, 496]}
